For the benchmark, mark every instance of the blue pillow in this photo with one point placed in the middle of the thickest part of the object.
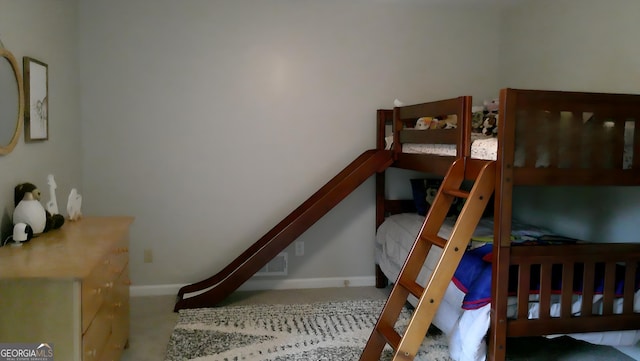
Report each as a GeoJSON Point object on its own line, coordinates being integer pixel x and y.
{"type": "Point", "coordinates": [423, 192]}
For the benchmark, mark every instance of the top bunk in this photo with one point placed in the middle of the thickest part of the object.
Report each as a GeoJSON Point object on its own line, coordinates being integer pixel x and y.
{"type": "Point", "coordinates": [541, 137]}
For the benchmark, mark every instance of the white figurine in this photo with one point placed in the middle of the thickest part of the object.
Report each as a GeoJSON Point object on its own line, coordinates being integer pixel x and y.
{"type": "Point", "coordinates": [52, 205]}
{"type": "Point", "coordinates": [73, 205]}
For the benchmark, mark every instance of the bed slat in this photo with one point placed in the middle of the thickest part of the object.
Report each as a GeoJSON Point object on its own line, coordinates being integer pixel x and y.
{"type": "Point", "coordinates": [608, 293]}
{"type": "Point", "coordinates": [545, 291]}
{"type": "Point", "coordinates": [524, 284]}
{"type": "Point", "coordinates": [572, 176]}
{"type": "Point", "coordinates": [567, 289]}
{"type": "Point", "coordinates": [629, 286]}
{"type": "Point", "coordinates": [433, 164]}
{"type": "Point", "coordinates": [537, 327]}
{"type": "Point", "coordinates": [617, 144]}
{"type": "Point", "coordinates": [430, 136]}
{"type": "Point", "coordinates": [553, 140]}
{"type": "Point", "coordinates": [636, 144]}
{"type": "Point", "coordinates": [575, 140]}
{"type": "Point", "coordinates": [588, 281]}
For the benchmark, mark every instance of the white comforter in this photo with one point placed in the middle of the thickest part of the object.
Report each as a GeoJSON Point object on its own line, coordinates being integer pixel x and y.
{"type": "Point", "coordinates": [466, 329]}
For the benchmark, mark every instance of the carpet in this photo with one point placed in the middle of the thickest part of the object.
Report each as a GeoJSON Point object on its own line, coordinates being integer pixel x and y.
{"type": "Point", "coordinates": [317, 331]}
{"type": "Point", "coordinates": [331, 331]}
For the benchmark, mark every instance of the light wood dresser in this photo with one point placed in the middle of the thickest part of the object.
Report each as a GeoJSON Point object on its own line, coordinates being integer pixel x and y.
{"type": "Point", "coordinates": [69, 287]}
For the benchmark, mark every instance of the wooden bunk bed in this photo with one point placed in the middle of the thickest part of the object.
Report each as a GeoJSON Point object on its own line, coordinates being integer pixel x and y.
{"type": "Point", "coordinates": [545, 138]}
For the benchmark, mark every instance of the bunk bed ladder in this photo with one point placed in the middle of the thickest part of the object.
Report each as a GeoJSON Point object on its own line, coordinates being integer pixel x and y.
{"type": "Point", "coordinates": [407, 345]}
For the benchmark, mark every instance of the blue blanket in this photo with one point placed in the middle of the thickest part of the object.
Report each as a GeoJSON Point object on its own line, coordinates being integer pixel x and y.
{"type": "Point", "coordinates": [473, 277]}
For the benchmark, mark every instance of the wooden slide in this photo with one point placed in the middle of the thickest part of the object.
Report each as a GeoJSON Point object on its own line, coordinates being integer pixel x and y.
{"type": "Point", "coordinates": [216, 288]}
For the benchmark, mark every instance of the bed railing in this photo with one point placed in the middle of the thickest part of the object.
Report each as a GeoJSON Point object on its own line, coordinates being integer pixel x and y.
{"type": "Point", "coordinates": [562, 272]}
{"type": "Point", "coordinates": [570, 138]}
{"type": "Point", "coordinates": [459, 107]}
{"type": "Point", "coordinates": [402, 121]}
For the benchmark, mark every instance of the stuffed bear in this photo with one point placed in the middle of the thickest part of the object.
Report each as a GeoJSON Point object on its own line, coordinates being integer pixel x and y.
{"type": "Point", "coordinates": [477, 118]}
{"type": "Point", "coordinates": [448, 121]}
{"type": "Point", "coordinates": [492, 106]}
{"type": "Point", "coordinates": [52, 221]}
{"type": "Point", "coordinates": [490, 124]}
{"type": "Point", "coordinates": [424, 123]}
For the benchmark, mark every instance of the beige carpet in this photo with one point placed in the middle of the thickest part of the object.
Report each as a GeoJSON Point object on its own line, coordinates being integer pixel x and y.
{"type": "Point", "coordinates": [287, 332]}
{"type": "Point", "coordinates": [153, 321]}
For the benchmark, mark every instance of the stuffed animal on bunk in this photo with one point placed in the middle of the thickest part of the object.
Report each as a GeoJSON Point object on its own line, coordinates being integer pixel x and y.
{"type": "Point", "coordinates": [484, 118]}
{"type": "Point", "coordinates": [440, 122]}
{"type": "Point", "coordinates": [492, 106]}
{"type": "Point", "coordinates": [477, 118]}
{"type": "Point", "coordinates": [448, 122]}
{"type": "Point", "coordinates": [490, 124]}
{"type": "Point", "coordinates": [423, 123]}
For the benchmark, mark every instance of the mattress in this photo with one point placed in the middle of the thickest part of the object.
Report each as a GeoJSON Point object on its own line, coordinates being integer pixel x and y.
{"type": "Point", "coordinates": [466, 329]}
{"type": "Point", "coordinates": [482, 147]}
{"type": "Point", "coordinates": [486, 148]}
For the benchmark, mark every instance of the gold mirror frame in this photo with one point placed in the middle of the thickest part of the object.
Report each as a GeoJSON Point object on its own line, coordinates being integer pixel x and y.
{"type": "Point", "coordinates": [7, 148]}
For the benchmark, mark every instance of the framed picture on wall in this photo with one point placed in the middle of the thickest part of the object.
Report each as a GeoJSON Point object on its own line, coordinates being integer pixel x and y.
{"type": "Point", "coordinates": [36, 99]}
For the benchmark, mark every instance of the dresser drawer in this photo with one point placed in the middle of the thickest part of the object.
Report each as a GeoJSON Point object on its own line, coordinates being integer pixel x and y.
{"type": "Point", "coordinates": [119, 257]}
{"type": "Point", "coordinates": [117, 302]}
{"type": "Point", "coordinates": [120, 304]}
{"type": "Point", "coordinates": [94, 291]}
{"type": "Point", "coordinates": [95, 338]}
{"type": "Point", "coordinates": [100, 283]}
{"type": "Point", "coordinates": [113, 349]}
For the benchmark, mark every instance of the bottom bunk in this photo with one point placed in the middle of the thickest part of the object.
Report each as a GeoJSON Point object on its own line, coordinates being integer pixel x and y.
{"type": "Point", "coordinates": [607, 275]}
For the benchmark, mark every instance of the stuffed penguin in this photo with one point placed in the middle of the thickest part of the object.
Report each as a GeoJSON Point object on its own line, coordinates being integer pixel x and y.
{"type": "Point", "coordinates": [30, 190]}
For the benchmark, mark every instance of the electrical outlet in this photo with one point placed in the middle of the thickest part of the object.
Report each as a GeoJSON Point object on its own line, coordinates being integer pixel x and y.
{"type": "Point", "coordinates": [148, 255]}
{"type": "Point", "coordinates": [299, 248]}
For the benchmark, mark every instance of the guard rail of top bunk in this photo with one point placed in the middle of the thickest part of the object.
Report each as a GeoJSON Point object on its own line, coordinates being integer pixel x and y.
{"type": "Point", "coordinates": [403, 120]}
{"type": "Point", "coordinates": [569, 138]}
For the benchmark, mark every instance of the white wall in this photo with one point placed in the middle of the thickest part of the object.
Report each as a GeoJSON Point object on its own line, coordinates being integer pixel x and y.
{"type": "Point", "coordinates": [47, 31]}
{"type": "Point", "coordinates": [581, 45]}
{"type": "Point", "coordinates": [209, 121]}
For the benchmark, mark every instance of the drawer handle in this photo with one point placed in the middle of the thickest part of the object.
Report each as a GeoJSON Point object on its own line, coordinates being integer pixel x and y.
{"type": "Point", "coordinates": [117, 304]}
{"type": "Point", "coordinates": [92, 353]}
{"type": "Point", "coordinates": [108, 285]}
{"type": "Point", "coordinates": [97, 291]}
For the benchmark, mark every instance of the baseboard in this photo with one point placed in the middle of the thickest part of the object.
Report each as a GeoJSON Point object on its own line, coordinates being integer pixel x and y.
{"type": "Point", "coordinates": [300, 283]}
{"type": "Point", "coordinates": [264, 284]}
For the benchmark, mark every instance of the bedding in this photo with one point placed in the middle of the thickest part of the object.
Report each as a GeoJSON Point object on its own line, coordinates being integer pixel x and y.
{"type": "Point", "coordinates": [482, 147]}
{"type": "Point", "coordinates": [486, 148]}
{"type": "Point", "coordinates": [467, 323]}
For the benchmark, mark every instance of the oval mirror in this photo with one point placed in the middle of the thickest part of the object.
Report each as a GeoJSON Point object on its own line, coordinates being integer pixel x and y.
{"type": "Point", "coordinates": [11, 102]}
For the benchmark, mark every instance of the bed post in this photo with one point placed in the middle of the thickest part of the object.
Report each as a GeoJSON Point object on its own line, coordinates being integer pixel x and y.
{"type": "Point", "coordinates": [383, 116]}
{"type": "Point", "coordinates": [502, 227]}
